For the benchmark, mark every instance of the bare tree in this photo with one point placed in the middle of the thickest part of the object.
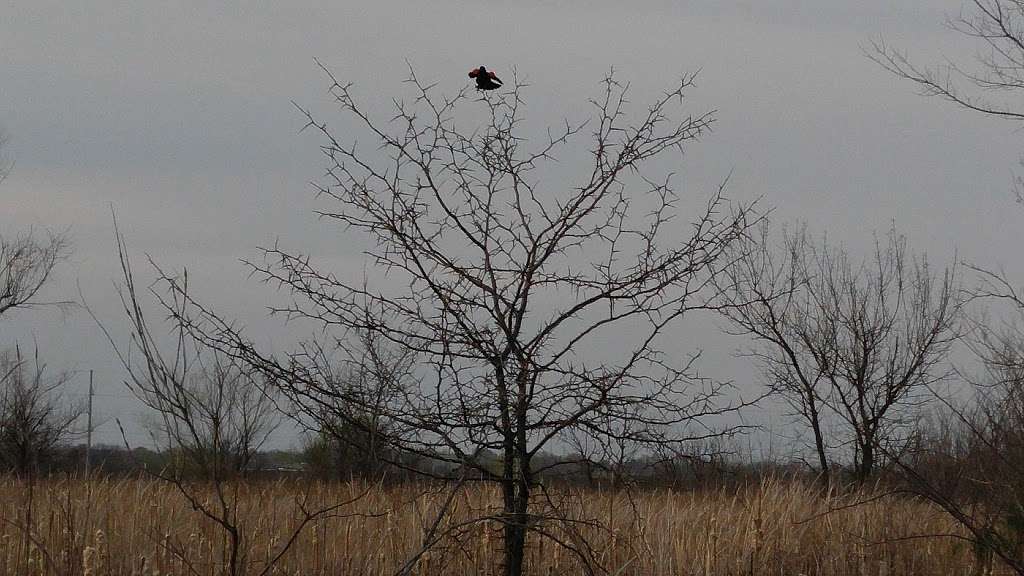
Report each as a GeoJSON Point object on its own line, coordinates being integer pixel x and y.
{"type": "Point", "coordinates": [969, 460]}
{"type": "Point", "coordinates": [991, 85]}
{"type": "Point", "coordinates": [529, 310]}
{"type": "Point", "coordinates": [212, 412]}
{"type": "Point", "coordinates": [214, 420]}
{"type": "Point", "coordinates": [764, 287]}
{"type": "Point", "coordinates": [26, 261]}
{"type": "Point", "coordinates": [999, 66]}
{"type": "Point", "coordinates": [213, 415]}
{"type": "Point", "coordinates": [971, 465]}
{"type": "Point", "coordinates": [350, 438]}
{"type": "Point", "coordinates": [34, 416]}
{"type": "Point", "coordinates": [858, 341]}
{"type": "Point", "coordinates": [983, 453]}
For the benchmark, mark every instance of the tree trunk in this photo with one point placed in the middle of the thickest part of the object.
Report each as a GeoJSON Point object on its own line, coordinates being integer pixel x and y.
{"type": "Point", "coordinates": [516, 489]}
{"type": "Point", "coordinates": [517, 499]}
{"type": "Point", "coordinates": [819, 442]}
{"type": "Point", "coordinates": [819, 439]}
{"type": "Point", "coordinates": [867, 461]}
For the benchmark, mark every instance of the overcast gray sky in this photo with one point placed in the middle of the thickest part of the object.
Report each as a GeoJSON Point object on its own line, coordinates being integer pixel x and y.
{"type": "Point", "coordinates": [179, 116]}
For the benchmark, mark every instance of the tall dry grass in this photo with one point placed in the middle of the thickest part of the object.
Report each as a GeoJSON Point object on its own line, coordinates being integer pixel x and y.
{"type": "Point", "coordinates": [142, 527]}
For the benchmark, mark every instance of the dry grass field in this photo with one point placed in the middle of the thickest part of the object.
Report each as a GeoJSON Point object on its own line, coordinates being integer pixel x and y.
{"type": "Point", "coordinates": [141, 527]}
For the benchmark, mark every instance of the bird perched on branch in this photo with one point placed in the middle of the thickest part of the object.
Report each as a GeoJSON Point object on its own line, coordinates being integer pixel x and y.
{"type": "Point", "coordinates": [485, 79]}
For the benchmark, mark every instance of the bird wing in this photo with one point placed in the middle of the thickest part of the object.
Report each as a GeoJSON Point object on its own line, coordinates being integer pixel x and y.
{"type": "Point", "coordinates": [493, 76]}
{"type": "Point", "coordinates": [474, 72]}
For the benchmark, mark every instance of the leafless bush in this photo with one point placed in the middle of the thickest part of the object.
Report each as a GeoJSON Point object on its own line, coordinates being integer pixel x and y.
{"type": "Point", "coordinates": [35, 417]}
{"type": "Point", "coordinates": [213, 414]}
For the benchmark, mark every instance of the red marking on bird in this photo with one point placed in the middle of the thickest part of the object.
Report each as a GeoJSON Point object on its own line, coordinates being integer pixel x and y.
{"type": "Point", "coordinates": [485, 79]}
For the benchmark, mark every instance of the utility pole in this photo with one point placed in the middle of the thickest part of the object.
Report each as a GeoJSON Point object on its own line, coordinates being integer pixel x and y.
{"type": "Point", "coordinates": [88, 431]}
